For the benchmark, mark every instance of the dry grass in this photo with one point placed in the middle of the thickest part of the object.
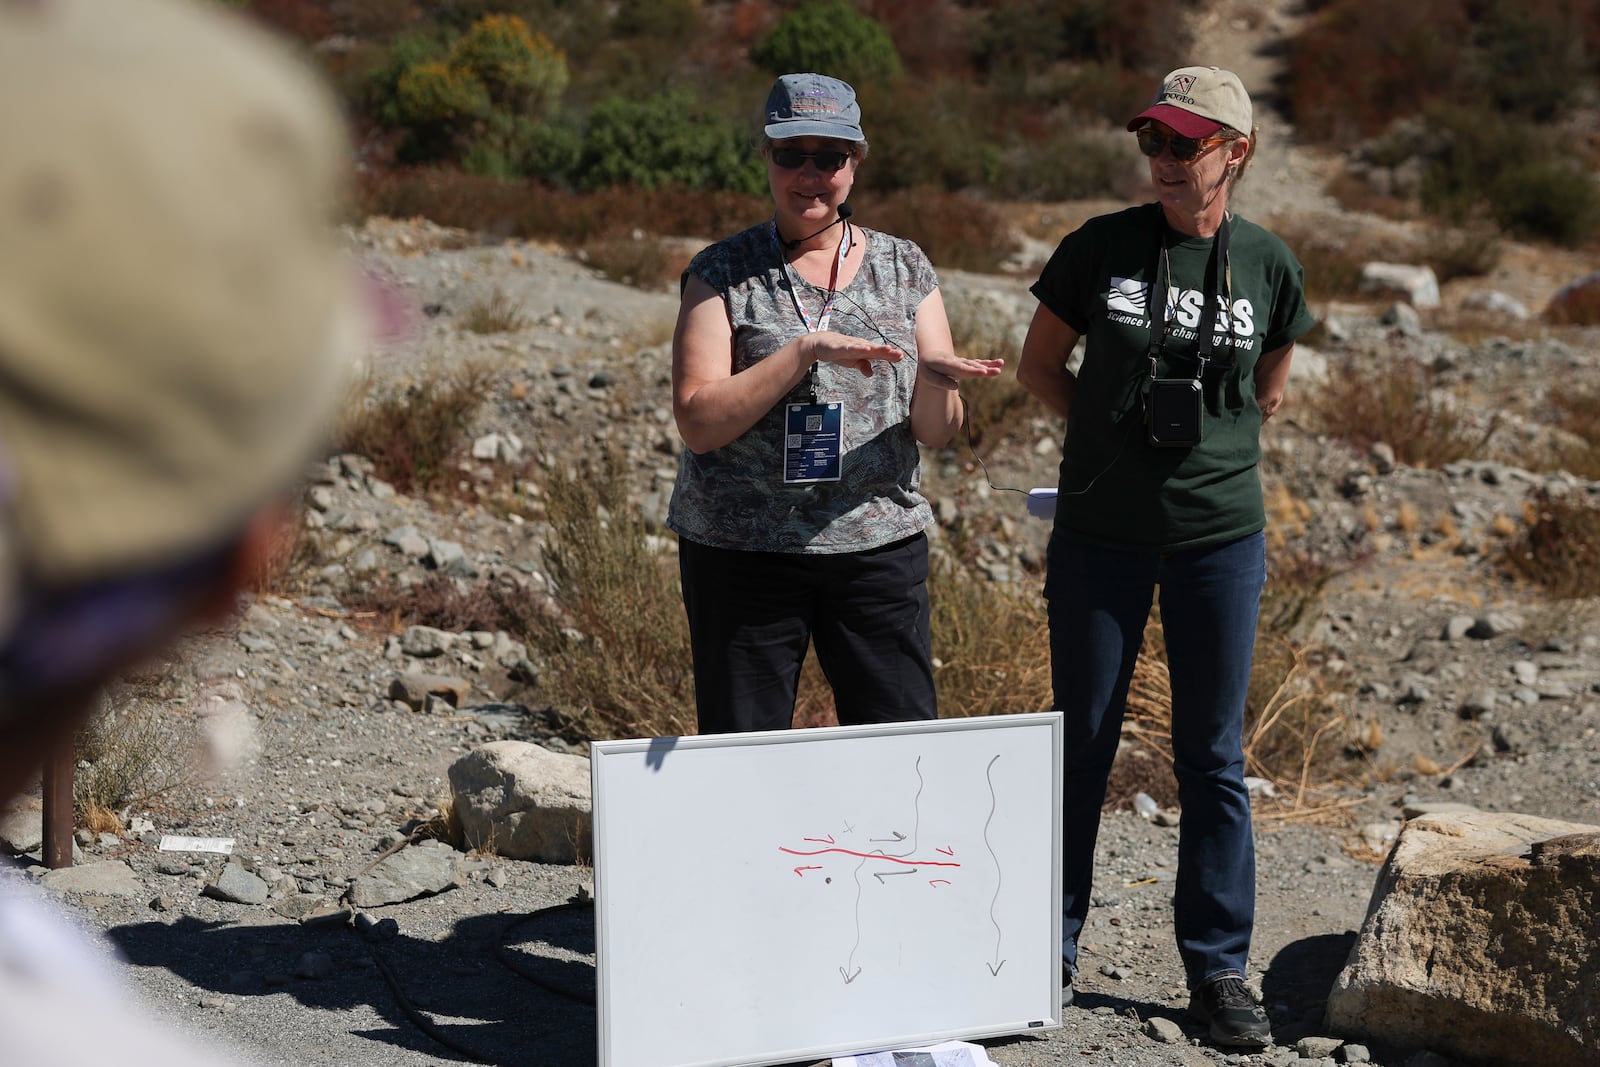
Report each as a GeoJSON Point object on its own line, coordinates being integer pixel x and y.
{"type": "Point", "coordinates": [611, 634]}
{"type": "Point", "coordinates": [495, 313]}
{"type": "Point", "coordinates": [141, 746]}
{"type": "Point", "coordinates": [415, 436]}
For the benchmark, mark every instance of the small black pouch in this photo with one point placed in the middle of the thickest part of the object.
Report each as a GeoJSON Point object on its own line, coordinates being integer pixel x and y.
{"type": "Point", "coordinates": [1172, 412]}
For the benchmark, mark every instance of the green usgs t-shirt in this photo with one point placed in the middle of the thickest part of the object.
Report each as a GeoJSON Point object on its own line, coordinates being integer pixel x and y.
{"type": "Point", "coordinates": [1117, 489]}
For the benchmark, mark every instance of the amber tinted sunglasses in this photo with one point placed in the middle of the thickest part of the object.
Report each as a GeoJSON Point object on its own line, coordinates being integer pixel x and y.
{"type": "Point", "coordinates": [1184, 149]}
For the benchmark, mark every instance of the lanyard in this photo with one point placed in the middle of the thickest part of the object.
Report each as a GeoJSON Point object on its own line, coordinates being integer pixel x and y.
{"type": "Point", "coordinates": [1161, 291]}
{"type": "Point", "coordinates": [826, 313]}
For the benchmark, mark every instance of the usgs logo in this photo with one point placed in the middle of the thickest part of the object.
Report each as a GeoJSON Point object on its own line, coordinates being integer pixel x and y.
{"type": "Point", "coordinates": [1184, 306]}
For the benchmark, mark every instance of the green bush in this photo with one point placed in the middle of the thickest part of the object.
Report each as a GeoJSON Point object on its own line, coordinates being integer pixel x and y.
{"type": "Point", "coordinates": [938, 137]}
{"type": "Point", "coordinates": [662, 21]}
{"type": "Point", "coordinates": [829, 38]}
{"type": "Point", "coordinates": [666, 139]}
{"type": "Point", "coordinates": [480, 100]}
{"type": "Point", "coordinates": [1549, 199]}
{"type": "Point", "coordinates": [521, 71]}
{"type": "Point", "coordinates": [1067, 166]}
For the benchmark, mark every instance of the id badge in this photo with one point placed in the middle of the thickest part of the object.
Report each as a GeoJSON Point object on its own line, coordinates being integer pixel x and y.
{"type": "Point", "coordinates": [812, 443]}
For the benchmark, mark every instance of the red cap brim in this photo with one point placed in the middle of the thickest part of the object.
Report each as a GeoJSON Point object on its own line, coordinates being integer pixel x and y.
{"type": "Point", "coordinates": [1183, 122]}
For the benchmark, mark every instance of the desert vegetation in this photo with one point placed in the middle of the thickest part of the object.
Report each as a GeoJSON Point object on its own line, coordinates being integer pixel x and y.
{"type": "Point", "coordinates": [612, 129]}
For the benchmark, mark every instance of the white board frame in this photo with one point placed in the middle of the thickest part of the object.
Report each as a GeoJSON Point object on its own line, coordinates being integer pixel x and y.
{"type": "Point", "coordinates": [791, 895]}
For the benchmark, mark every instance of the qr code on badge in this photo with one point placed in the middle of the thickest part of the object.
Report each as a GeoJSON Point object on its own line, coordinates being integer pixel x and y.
{"type": "Point", "coordinates": [813, 424]}
{"type": "Point", "coordinates": [794, 440]}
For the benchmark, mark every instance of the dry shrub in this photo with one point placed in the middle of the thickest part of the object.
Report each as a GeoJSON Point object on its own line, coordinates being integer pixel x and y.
{"type": "Point", "coordinates": [991, 642]}
{"type": "Point", "coordinates": [991, 650]}
{"type": "Point", "coordinates": [611, 637]}
{"type": "Point", "coordinates": [290, 556]}
{"type": "Point", "coordinates": [414, 436]}
{"type": "Point", "coordinates": [141, 745]}
{"type": "Point", "coordinates": [445, 603]}
{"type": "Point", "coordinates": [1578, 414]}
{"type": "Point", "coordinates": [1345, 81]}
{"type": "Point", "coordinates": [99, 820]}
{"type": "Point", "coordinates": [495, 313]}
{"type": "Point", "coordinates": [636, 259]}
{"type": "Point", "coordinates": [1399, 405]}
{"type": "Point", "coordinates": [1293, 729]}
{"type": "Point", "coordinates": [1558, 547]}
{"type": "Point", "coordinates": [528, 210]}
{"type": "Point", "coordinates": [994, 405]}
{"type": "Point", "coordinates": [957, 232]}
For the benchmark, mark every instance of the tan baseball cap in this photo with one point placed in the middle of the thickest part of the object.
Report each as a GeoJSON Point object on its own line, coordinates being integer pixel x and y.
{"type": "Point", "coordinates": [177, 314]}
{"type": "Point", "coordinates": [1199, 101]}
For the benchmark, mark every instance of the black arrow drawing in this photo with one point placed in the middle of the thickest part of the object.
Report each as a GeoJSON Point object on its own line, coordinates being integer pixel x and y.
{"type": "Point", "coordinates": [881, 875]}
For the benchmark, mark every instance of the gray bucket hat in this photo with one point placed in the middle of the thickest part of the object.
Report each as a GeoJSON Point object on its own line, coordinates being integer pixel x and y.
{"type": "Point", "coordinates": [812, 105]}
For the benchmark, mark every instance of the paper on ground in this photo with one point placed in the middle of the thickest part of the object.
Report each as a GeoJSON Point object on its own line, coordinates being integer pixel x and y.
{"type": "Point", "coordinates": [947, 1054]}
{"type": "Point", "coordinates": [177, 843]}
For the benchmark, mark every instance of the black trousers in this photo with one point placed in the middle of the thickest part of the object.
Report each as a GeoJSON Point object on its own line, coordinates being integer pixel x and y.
{"type": "Point", "coordinates": [753, 614]}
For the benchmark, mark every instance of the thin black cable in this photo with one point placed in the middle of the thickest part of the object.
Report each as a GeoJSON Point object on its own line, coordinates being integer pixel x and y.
{"type": "Point", "coordinates": [860, 315]}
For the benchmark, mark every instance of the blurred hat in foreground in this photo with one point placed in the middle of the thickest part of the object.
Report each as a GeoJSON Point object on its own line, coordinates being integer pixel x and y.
{"type": "Point", "coordinates": [1199, 101]}
{"type": "Point", "coordinates": [177, 314]}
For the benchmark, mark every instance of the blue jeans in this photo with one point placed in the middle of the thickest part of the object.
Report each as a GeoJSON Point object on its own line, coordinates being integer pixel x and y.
{"type": "Point", "coordinates": [1099, 600]}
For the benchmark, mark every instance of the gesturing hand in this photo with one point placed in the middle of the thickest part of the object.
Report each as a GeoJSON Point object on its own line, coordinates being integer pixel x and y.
{"type": "Point", "coordinates": [826, 346]}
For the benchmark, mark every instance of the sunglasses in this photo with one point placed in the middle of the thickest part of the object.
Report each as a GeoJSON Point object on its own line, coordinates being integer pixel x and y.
{"type": "Point", "coordinates": [1184, 149]}
{"type": "Point", "coordinates": [793, 159]}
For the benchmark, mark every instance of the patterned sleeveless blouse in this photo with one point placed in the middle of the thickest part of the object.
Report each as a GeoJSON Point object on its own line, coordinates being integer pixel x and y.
{"type": "Point", "coordinates": [734, 496]}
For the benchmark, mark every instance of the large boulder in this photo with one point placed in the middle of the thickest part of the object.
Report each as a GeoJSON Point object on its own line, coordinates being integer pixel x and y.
{"type": "Point", "coordinates": [524, 802]}
{"type": "Point", "coordinates": [1482, 941]}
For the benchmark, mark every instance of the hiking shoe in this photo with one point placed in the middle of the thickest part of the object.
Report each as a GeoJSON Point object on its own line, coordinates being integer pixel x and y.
{"type": "Point", "coordinates": [1066, 986]}
{"type": "Point", "coordinates": [1231, 1014]}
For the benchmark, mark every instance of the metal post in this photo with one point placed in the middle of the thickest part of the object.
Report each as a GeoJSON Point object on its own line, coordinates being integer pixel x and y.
{"type": "Point", "coordinates": [58, 770]}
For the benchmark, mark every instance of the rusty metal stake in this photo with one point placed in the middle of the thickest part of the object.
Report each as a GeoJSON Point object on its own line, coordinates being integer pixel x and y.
{"type": "Point", "coordinates": [58, 807]}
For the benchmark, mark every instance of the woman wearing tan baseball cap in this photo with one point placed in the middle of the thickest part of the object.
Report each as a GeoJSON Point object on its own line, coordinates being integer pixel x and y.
{"type": "Point", "coordinates": [1188, 314]}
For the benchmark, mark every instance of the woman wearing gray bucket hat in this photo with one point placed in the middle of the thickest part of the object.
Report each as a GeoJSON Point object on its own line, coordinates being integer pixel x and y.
{"type": "Point", "coordinates": [811, 356]}
{"type": "Point", "coordinates": [1188, 314]}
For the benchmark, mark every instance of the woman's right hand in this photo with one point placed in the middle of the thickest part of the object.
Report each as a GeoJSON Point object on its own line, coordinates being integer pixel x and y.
{"type": "Point", "coordinates": [825, 346]}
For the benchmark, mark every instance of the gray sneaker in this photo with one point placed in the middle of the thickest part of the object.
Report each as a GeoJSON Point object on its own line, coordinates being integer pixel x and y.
{"type": "Point", "coordinates": [1231, 1014]}
{"type": "Point", "coordinates": [1066, 985]}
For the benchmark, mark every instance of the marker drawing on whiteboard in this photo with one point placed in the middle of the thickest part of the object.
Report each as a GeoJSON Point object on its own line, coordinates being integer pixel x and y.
{"type": "Point", "coordinates": [994, 968]}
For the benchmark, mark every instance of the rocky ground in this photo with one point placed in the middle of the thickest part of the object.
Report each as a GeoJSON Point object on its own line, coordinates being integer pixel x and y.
{"type": "Point", "coordinates": [1456, 684]}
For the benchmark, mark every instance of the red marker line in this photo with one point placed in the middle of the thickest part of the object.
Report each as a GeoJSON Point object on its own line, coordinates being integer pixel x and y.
{"type": "Point", "coordinates": [801, 870]}
{"type": "Point", "coordinates": [870, 856]}
{"type": "Point", "coordinates": [940, 881]}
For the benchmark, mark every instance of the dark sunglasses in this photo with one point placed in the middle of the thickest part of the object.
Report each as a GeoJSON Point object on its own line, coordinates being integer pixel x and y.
{"type": "Point", "coordinates": [794, 159]}
{"type": "Point", "coordinates": [1184, 149]}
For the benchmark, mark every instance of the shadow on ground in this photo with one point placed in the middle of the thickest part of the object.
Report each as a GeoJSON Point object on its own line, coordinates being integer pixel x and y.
{"type": "Point", "coordinates": [509, 990]}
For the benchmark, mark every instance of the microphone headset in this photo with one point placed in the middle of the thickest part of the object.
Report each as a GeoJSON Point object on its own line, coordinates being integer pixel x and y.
{"type": "Point", "coordinates": [845, 211]}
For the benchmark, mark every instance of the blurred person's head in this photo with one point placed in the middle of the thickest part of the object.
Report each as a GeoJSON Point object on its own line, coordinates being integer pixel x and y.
{"type": "Point", "coordinates": [176, 320]}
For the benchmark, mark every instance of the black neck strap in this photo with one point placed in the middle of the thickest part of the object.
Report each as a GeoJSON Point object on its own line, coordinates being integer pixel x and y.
{"type": "Point", "coordinates": [1161, 288]}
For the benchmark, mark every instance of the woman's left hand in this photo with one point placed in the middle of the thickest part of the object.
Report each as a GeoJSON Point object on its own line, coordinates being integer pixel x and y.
{"type": "Point", "coordinates": [949, 369]}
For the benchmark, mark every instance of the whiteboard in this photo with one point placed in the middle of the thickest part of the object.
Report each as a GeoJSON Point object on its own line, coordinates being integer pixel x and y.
{"type": "Point", "coordinates": [790, 895]}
